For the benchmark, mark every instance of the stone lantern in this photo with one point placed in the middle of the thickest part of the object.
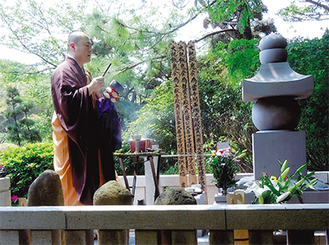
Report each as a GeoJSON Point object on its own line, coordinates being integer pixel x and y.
{"type": "Point", "coordinates": [275, 90]}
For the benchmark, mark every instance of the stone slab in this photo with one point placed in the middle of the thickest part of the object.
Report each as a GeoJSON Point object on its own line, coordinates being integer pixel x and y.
{"type": "Point", "coordinates": [278, 216]}
{"type": "Point", "coordinates": [174, 217]}
{"type": "Point", "coordinates": [273, 145]}
{"type": "Point", "coordinates": [146, 217]}
{"type": "Point", "coordinates": [9, 237]}
{"type": "Point", "coordinates": [42, 237]}
{"type": "Point", "coordinates": [5, 198]}
{"type": "Point", "coordinates": [323, 176]}
{"type": "Point", "coordinates": [312, 197]}
{"type": "Point", "coordinates": [35, 218]}
{"type": "Point", "coordinates": [4, 184]}
{"type": "Point", "coordinates": [146, 237]}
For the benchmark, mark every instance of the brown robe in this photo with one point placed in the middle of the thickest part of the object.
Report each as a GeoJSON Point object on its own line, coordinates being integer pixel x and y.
{"type": "Point", "coordinates": [77, 116]}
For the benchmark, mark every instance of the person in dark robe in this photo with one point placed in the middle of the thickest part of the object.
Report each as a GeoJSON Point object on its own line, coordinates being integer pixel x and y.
{"type": "Point", "coordinates": [109, 125]}
{"type": "Point", "coordinates": [76, 126]}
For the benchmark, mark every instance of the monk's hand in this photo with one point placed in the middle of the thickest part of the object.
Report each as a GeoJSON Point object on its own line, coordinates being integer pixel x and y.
{"type": "Point", "coordinates": [96, 84]}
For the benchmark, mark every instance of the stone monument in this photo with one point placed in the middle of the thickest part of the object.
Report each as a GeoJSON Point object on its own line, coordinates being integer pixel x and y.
{"type": "Point", "coordinates": [275, 90]}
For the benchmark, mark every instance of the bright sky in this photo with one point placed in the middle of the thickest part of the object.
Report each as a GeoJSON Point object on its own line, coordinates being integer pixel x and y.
{"type": "Point", "coordinates": [195, 30]}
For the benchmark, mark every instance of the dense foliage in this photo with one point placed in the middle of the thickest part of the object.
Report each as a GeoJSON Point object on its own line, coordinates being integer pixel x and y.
{"type": "Point", "coordinates": [25, 164]}
{"type": "Point", "coordinates": [33, 88]}
{"type": "Point", "coordinates": [310, 57]}
{"type": "Point", "coordinates": [20, 127]}
{"type": "Point", "coordinates": [243, 19]}
{"type": "Point", "coordinates": [224, 116]}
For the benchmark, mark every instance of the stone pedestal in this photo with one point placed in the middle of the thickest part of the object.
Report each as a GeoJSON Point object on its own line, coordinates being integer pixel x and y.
{"type": "Point", "coordinates": [272, 146]}
{"type": "Point", "coordinates": [219, 198]}
{"type": "Point", "coordinates": [5, 195]}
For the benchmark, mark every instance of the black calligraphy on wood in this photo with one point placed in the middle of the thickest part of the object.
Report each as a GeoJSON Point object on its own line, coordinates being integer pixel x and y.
{"type": "Point", "coordinates": [178, 114]}
{"type": "Point", "coordinates": [195, 101]}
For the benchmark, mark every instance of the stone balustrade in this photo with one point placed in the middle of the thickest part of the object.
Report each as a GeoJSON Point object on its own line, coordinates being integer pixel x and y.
{"type": "Point", "coordinates": [300, 220]}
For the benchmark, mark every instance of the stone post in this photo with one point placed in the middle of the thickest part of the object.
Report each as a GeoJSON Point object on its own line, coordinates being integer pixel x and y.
{"type": "Point", "coordinates": [5, 200]}
{"type": "Point", "coordinates": [176, 196]}
{"type": "Point", "coordinates": [112, 193]}
{"type": "Point", "coordinates": [46, 190]}
{"type": "Point", "coordinates": [5, 196]}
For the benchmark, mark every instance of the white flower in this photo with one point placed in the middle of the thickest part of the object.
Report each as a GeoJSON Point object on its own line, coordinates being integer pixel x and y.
{"type": "Point", "coordinates": [275, 185]}
{"type": "Point", "coordinates": [258, 191]}
{"type": "Point", "coordinates": [282, 197]}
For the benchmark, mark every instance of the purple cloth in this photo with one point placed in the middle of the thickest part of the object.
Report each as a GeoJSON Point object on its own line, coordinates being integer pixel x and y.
{"type": "Point", "coordinates": [110, 136]}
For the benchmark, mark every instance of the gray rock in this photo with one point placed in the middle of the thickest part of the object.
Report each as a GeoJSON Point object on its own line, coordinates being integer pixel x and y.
{"type": "Point", "coordinates": [112, 193]}
{"type": "Point", "coordinates": [175, 196]}
{"type": "Point", "coordinates": [46, 190]}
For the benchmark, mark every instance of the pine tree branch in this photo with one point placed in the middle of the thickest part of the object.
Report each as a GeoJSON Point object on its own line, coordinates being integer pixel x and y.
{"type": "Point", "coordinates": [160, 33]}
{"type": "Point", "coordinates": [138, 63]}
{"type": "Point", "coordinates": [318, 4]}
{"type": "Point", "coordinates": [21, 42]}
{"type": "Point", "coordinates": [214, 33]}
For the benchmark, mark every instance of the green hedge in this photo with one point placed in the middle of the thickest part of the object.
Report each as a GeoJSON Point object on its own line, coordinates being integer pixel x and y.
{"type": "Point", "coordinates": [310, 57]}
{"type": "Point", "coordinates": [25, 164]}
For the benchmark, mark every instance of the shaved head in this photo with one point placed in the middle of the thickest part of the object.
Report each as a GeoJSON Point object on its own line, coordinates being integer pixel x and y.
{"type": "Point", "coordinates": [79, 46]}
{"type": "Point", "coordinates": [75, 37]}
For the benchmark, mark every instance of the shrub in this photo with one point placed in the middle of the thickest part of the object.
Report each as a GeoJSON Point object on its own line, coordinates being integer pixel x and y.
{"type": "Point", "coordinates": [25, 164]}
{"type": "Point", "coordinates": [311, 57]}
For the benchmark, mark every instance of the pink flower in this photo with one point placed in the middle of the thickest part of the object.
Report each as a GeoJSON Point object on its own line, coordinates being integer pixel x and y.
{"type": "Point", "coordinates": [14, 198]}
{"type": "Point", "coordinates": [264, 174]}
{"type": "Point", "coordinates": [224, 152]}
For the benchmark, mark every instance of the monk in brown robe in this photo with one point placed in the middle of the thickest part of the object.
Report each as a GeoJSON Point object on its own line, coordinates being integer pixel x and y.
{"type": "Point", "coordinates": [75, 128]}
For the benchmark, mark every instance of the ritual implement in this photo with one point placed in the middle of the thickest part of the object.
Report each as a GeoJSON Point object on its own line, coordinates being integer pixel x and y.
{"type": "Point", "coordinates": [107, 69]}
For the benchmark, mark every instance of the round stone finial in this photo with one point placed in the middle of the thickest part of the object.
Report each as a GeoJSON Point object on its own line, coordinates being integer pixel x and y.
{"type": "Point", "coordinates": [272, 41]}
{"type": "Point", "coordinates": [273, 49]}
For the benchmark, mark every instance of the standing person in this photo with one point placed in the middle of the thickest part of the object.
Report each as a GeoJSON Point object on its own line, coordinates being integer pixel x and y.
{"type": "Point", "coordinates": [75, 125]}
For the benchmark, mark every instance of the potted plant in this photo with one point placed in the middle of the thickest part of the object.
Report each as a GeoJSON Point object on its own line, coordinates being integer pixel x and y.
{"type": "Point", "coordinates": [224, 165]}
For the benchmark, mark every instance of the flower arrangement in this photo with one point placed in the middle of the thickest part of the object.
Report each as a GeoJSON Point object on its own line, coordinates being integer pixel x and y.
{"type": "Point", "coordinates": [224, 165]}
{"type": "Point", "coordinates": [282, 189]}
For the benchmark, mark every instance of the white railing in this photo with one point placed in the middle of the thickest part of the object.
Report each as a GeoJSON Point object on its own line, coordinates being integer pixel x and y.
{"type": "Point", "coordinates": [161, 224]}
{"type": "Point", "coordinates": [145, 185]}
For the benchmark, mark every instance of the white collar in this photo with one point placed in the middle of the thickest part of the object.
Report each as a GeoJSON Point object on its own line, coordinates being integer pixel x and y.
{"type": "Point", "coordinates": [82, 68]}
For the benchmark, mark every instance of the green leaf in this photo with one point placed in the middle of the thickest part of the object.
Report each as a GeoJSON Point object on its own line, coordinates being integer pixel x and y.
{"type": "Point", "coordinates": [300, 169]}
{"type": "Point", "coordinates": [284, 174]}
{"type": "Point", "coordinates": [284, 165]}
